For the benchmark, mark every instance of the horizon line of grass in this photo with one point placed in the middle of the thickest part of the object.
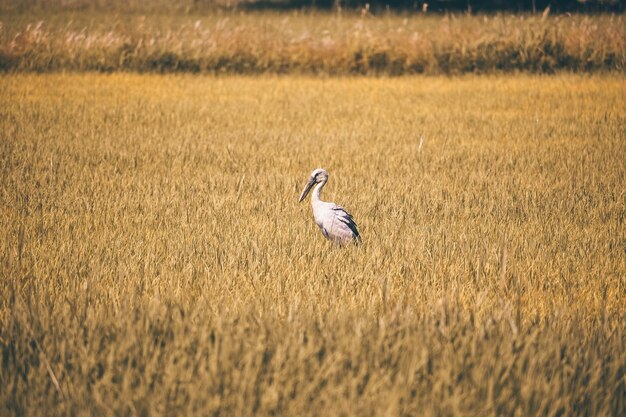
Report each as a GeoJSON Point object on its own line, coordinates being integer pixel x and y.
{"type": "Point", "coordinates": [324, 44]}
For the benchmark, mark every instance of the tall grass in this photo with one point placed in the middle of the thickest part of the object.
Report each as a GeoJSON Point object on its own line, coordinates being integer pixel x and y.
{"type": "Point", "coordinates": [154, 259]}
{"type": "Point", "coordinates": [312, 43]}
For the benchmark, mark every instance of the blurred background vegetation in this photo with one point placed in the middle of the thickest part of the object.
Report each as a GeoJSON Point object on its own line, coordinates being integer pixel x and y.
{"type": "Point", "coordinates": [311, 42]}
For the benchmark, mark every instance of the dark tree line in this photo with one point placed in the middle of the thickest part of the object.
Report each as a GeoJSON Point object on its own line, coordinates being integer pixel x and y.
{"type": "Point", "coordinates": [557, 6]}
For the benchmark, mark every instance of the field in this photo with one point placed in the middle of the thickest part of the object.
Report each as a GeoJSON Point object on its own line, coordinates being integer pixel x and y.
{"type": "Point", "coordinates": [155, 261]}
{"type": "Point", "coordinates": [345, 43]}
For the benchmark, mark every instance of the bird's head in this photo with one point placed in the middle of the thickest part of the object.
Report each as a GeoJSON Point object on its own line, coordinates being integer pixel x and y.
{"type": "Point", "coordinates": [318, 175]}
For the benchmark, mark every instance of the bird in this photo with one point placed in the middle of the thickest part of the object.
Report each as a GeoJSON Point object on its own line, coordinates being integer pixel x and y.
{"type": "Point", "coordinates": [336, 224]}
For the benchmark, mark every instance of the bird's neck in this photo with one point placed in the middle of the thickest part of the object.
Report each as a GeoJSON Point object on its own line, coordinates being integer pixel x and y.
{"type": "Point", "coordinates": [317, 191]}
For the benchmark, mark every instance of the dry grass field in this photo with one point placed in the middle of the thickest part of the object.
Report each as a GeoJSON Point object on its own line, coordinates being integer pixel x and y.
{"type": "Point", "coordinates": [311, 43]}
{"type": "Point", "coordinates": [154, 259]}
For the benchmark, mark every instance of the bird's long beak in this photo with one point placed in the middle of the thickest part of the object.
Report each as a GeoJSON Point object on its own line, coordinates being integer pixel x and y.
{"type": "Point", "coordinates": [306, 190]}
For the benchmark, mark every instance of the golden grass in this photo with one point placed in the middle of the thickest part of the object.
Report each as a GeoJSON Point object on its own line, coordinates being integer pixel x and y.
{"type": "Point", "coordinates": [311, 43]}
{"type": "Point", "coordinates": [155, 261]}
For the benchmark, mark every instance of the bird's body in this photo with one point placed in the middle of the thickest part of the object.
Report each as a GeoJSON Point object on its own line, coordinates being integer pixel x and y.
{"type": "Point", "coordinates": [336, 224]}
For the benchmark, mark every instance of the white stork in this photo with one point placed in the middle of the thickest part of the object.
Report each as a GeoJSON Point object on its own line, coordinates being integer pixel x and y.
{"type": "Point", "coordinates": [336, 223]}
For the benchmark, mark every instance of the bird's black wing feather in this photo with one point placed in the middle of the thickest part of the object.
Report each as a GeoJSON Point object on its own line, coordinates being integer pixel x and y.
{"type": "Point", "coordinates": [347, 219]}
